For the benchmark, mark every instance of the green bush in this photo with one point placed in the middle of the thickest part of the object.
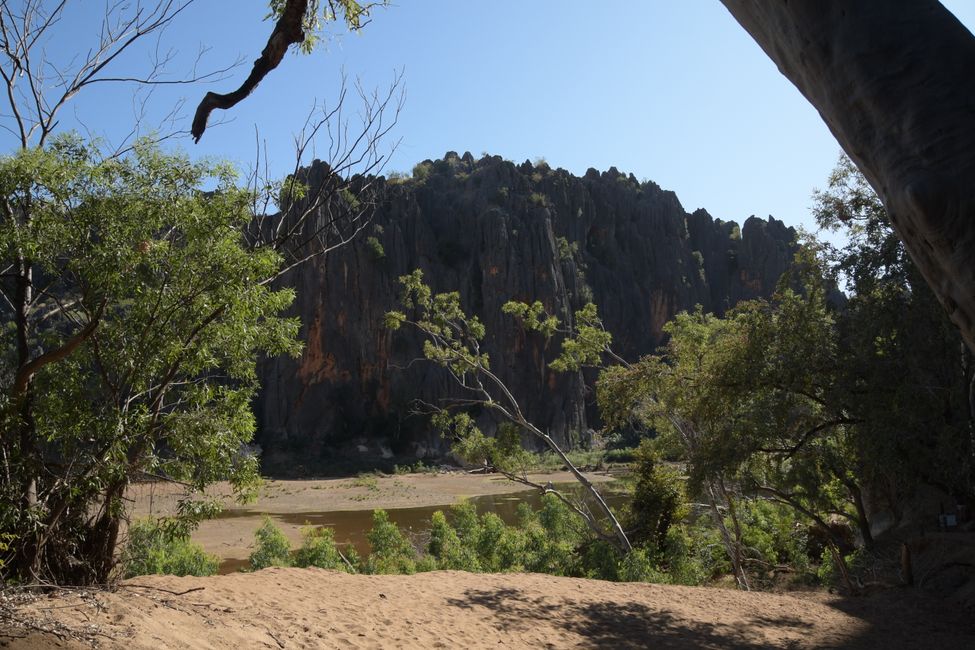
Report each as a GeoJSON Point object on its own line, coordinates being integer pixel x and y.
{"type": "Point", "coordinates": [658, 500]}
{"type": "Point", "coordinates": [318, 550]}
{"type": "Point", "coordinates": [770, 533]}
{"type": "Point", "coordinates": [685, 559]}
{"type": "Point", "coordinates": [638, 566]}
{"type": "Point", "coordinates": [151, 549]}
{"type": "Point", "coordinates": [391, 551]}
{"type": "Point", "coordinates": [623, 455]}
{"type": "Point", "coordinates": [421, 171]}
{"type": "Point", "coordinates": [271, 547]}
{"type": "Point", "coordinates": [375, 248]}
{"type": "Point", "coordinates": [446, 548]}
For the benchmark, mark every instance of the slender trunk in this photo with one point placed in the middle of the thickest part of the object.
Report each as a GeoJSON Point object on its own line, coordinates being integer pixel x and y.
{"type": "Point", "coordinates": [863, 523]}
{"type": "Point", "coordinates": [840, 563]}
{"type": "Point", "coordinates": [733, 550]}
{"type": "Point", "coordinates": [621, 538]}
{"type": "Point", "coordinates": [26, 424]}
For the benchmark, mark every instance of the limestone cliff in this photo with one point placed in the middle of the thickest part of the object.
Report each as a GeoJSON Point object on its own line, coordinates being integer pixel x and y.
{"type": "Point", "coordinates": [496, 231]}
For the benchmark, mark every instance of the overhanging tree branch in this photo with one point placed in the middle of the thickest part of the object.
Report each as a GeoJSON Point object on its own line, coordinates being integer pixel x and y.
{"type": "Point", "coordinates": [288, 31]}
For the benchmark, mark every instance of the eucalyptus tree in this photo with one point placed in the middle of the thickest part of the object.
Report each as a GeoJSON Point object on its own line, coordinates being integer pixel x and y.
{"type": "Point", "coordinates": [452, 340]}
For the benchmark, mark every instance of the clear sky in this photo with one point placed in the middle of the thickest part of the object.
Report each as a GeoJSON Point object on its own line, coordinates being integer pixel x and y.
{"type": "Point", "coordinates": [672, 91]}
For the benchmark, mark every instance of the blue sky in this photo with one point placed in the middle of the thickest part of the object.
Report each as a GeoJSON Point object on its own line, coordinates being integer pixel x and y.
{"type": "Point", "coordinates": [674, 92]}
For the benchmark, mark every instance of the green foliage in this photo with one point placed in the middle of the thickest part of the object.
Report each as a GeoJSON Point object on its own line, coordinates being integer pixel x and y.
{"type": "Point", "coordinates": [318, 549]}
{"type": "Point", "coordinates": [391, 551]}
{"type": "Point", "coordinates": [419, 467]}
{"type": "Point", "coordinates": [803, 403]}
{"type": "Point", "coordinates": [658, 501]}
{"type": "Point", "coordinates": [271, 547]}
{"type": "Point", "coordinates": [772, 535]}
{"type": "Point", "coordinates": [421, 171]}
{"type": "Point", "coordinates": [699, 264]}
{"type": "Point", "coordinates": [504, 451]}
{"type": "Point", "coordinates": [588, 343]}
{"type": "Point", "coordinates": [355, 15]}
{"type": "Point", "coordinates": [539, 199]}
{"type": "Point", "coordinates": [289, 191]}
{"type": "Point", "coordinates": [5, 539]}
{"type": "Point", "coordinates": [532, 317]}
{"type": "Point", "coordinates": [620, 455]}
{"type": "Point", "coordinates": [375, 248]}
{"type": "Point", "coordinates": [638, 566]}
{"type": "Point", "coordinates": [446, 548]}
{"type": "Point", "coordinates": [453, 340]}
{"type": "Point", "coordinates": [153, 549]}
{"type": "Point", "coordinates": [143, 344]}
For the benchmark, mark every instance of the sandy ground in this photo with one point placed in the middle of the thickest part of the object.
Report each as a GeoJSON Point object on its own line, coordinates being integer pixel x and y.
{"type": "Point", "coordinates": [231, 537]}
{"type": "Point", "coordinates": [312, 608]}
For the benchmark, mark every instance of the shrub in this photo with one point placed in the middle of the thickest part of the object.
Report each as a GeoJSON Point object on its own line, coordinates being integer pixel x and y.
{"type": "Point", "coordinates": [375, 248]}
{"type": "Point", "coordinates": [446, 548]}
{"type": "Point", "coordinates": [658, 500]}
{"type": "Point", "coordinates": [152, 549]}
{"type": "Point", "coordinates": [318, 550]}
{"type": "Point", "coordinates": [421, 171]}
{"type": "Point", "coordinates": [391, 551]}
{"type": "Point", "coordinates": [623, 455]}
{"type": "Point", "coordinates": [638, 566]}
{"type": "Point", "coordinates": [683, 560]}
{"type": "Point", "coordinates": [770, 533]}
{"type": "Point", "coordinates": [271, 547]}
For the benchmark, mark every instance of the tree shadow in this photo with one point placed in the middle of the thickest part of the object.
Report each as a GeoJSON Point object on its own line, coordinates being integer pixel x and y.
{"type": "Point", "coordinates": [908, 618]}
{"type": "Point", "coordinates": [623, 625]}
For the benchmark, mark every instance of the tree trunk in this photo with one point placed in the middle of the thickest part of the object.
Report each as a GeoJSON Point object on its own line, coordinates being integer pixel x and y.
{"type": "Point", "coordinates": [892, 81]}
{"type": "Point", "coordinates": [863, 522]}
{"type": "Point", "coordinates": [732, 547]}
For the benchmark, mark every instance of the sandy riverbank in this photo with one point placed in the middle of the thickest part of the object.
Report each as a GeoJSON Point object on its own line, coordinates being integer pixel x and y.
{"type": "Point", "coordinates": [311, 608]}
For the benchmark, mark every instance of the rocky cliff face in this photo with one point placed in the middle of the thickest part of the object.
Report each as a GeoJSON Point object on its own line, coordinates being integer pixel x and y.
{"type": "Point", "coordinates": [496, 231]}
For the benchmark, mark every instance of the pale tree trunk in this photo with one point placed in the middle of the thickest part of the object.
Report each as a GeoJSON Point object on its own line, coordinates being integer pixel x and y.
{"type": "Point", "coordinates": [893, 82]}
{"type": "Point", "coordinates": [732, 544]}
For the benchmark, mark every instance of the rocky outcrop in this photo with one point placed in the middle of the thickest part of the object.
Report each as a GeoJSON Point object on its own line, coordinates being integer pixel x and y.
{"type": "Point", "coordinates": [496, 231]}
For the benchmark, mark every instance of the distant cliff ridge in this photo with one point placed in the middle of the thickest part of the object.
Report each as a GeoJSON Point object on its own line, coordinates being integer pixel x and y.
{"type": "Point", "coordinates": [496, 231]}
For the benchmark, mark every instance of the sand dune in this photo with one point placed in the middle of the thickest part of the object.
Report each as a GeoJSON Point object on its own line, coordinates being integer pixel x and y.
{"type": "Point", "coordinates": [312, 608]}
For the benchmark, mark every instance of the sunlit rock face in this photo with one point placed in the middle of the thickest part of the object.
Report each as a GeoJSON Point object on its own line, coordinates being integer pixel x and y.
{"type": "Point", "coordinates": [495, 231]}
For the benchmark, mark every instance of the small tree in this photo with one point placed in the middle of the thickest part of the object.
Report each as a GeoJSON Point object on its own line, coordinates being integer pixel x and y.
{"type": "Point", "coordinates": [453, 341]}
{"type": "Point", "coordinates": [135, 302]}
{"type": "Point", "coordinates": [135, 354]}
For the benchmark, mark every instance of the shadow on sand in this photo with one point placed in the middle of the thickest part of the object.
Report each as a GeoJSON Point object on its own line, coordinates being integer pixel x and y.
{"type": "Point", "coordinates": [890, 624]}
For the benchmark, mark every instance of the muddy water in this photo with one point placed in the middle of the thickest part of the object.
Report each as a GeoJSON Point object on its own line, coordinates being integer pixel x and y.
{"type": "Point", "coordinates": [352, 526]}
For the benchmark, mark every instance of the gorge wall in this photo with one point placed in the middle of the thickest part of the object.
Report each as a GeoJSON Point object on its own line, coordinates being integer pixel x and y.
{"type": "Point", "coordinates": [495, 231]}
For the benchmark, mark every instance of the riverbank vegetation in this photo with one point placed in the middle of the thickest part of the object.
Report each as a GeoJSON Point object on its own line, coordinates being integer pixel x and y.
{"type": "Point", "coordinates": [820, 410]}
